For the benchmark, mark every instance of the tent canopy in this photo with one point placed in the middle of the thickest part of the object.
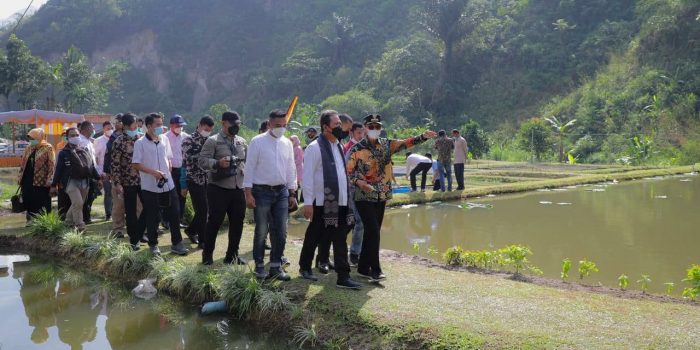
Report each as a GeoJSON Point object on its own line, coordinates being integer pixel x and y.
{"type": "Point", "coordinates": [37, 116]}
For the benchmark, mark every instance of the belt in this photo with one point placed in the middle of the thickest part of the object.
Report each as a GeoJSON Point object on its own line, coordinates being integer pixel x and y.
{"type": "Point", "coordinates": [272, 188]}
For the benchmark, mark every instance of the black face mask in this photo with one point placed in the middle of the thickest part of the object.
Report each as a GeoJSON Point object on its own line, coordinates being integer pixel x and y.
{"type": "Point", "coordinates": [345, 135]}
{"type": "Point", "coordinates": [233, 130]}
{"type": "Point", "coordinates": [337, 132]}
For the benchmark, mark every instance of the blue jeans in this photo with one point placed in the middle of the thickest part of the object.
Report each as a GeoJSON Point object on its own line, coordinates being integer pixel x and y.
{"type": "Point", "coordinates": [107, 189]}
{"type": "Point", "coordinates": [445, 171]}
{"type": "Point", "coordinates": [271, 212]}
{"type": "Point", "coordinates": [357, 232]}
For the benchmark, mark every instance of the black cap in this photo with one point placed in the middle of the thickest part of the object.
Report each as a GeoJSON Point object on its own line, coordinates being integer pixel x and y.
{"type": "Point", "coordinates": [373, 119]}
{"type": "Point", "coordinates": [311, 128]}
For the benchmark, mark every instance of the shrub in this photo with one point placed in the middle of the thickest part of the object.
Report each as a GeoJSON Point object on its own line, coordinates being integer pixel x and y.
{"type": "Point", "coordinates": [47, 225]}
{"type": "Point", "coordinates": [693, 279]}
{"type": "Point", "coordinates": [623, 281]}
{"type": "Point", "coordinates": [453, 256]}
{"type": "Point", "coordinates": [585, 268]}
{"type": "Point", "coordinates": [644, 282]}
{"type": "Point", "coordinates": [516, 256]}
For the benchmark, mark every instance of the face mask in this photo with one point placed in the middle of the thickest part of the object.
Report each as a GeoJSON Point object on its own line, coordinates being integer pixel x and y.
{"type": "Point", "coordinates": [158, 131]}
{"type": "Point", "coordinates": [233, 130]}
{"type": "Point", "coordinates": [109, 133]}
{"type": "Point", "coordinates": [74, 140]}
{"type": "Point", "coordinates": [65, 139]}
{"type": "Point", "coordinates": [33, 142]}
{"type": "Point", "coordinates": [278, 132]}
{"type": "Point", "coordinates": [373, 134]}
{"type": "Point", "coordinates": [93, 134]}
{"type": "Point", "coordinates": [132, 133]}
{"type": "Point", "coordinates": [345, 135]}
{"type": "Point", "coordinates": [337, 132]}
{"type": "Point", "coordinates": [139, 130]}
{"type": "Point", "coordinates": [205, 133]}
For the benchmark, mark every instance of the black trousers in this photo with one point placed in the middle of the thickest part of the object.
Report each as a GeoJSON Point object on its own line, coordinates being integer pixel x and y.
{"type": "Point", "coordinates": [317, 232]}
{"type": "Point", "coordinates": [223, 202]}
{"type": "Point", "coordinates": [36, 199]}
{"type": "Point", "coordinates": [63, 203]}
{"type": "Point", "coordinates": [87, 206]}
{"type": "Point", "coordinates": [421, 167]}
{"type": "Point", "coordinates": [198, 194]}
{"type": "Point", "coordinates": [459, 174]}
{"type": "Point", "coordinates": [135, 225]}
{"type": "Point", "coordinates": [152, 202]}
{"type": "Point", "coordinates": [175, 173]}
{"type": "Point", "coordinates": [372, 215]}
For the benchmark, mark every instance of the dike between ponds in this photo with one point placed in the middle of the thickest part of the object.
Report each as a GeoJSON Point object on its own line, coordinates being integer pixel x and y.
{"type": "Point", "coordinates": [422, 304]}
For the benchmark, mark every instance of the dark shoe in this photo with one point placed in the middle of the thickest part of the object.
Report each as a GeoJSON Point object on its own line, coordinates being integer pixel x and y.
{"type": "Point", "coordinates": [160, 232]}
{"type": "Point", "coordinates": [135, 247]}
{"type": "Point", "coordinates": [237, 260]}
{"type": "Point", "coordinates": [154, 250]}
{"type": "Point", "coordinates": [144, 239]}
{"type": "Point", "coordinates": [193, 238]}
{"type": "Point", "coordinates": [116, 234]}
{"type": "Point", "coordinates": [278, 274]}
{"type": "Point", "coordinates": [376, 277]}
{"type": "Point", "coordinates": [308, 275]}
{"type": "Point", "coordinates": [260, 272]}
{"type": "Point", "coordinates": [166, 225]}
{"type": "Point", "coordinates": [207, 262]}
{"type": "Point", "coordinates": [87, 221]}
{"type": "Point", "coordinates": [108, 217]}
{"type": "Point", "coordinates": [348, 283]}
{"type": "Point", "coordinates": [284, 261]}
{"type": "Point", "coordinates": [323, 268]}
{"type": "Point", "coordinates": [364, 273]}
{"type": "Point", "coordinates": [179, 249]}
{"type": "Point", "coordinates": [200, 245]}
{"type": "Point", "coordinates": [267, 246]}
{"type": "Point", "coordinates": [354, 260]}
{"type": "Point", "coordinates": [331, 265]}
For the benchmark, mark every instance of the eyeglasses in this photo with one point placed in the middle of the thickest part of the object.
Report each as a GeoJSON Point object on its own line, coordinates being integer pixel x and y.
{"type": "Point", "coordinates": [374, 127]}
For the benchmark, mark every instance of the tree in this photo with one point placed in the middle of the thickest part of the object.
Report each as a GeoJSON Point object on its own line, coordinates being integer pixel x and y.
{"type": "Point", "coordinates": [353, 102]}
{"type": "Point", "coordinates": [476, 138]}
{"type": "Point", "coordinates": [562, 129]}
{"type": "Point", "coordinates": [341, 38]}
{"type": "Point", "coordinates": [31, 81]}
{"type": "Point", "coordinates": [534, 136]}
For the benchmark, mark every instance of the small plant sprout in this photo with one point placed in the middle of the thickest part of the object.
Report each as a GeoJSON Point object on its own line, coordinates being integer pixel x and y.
{"type": "Point", "coordinates": [565, 268]}
{"type": "Point", "coordinates": [669, 287]}
{"type": "Point", "coordinates": [623, 281]}
{"type": "Point", "coordinates": [416, 248]}
{"type": "Point", "coordinates": [585, 268]}
{"type": "Point", "coordinates": [516, 256]}
{"type": "Point", "coordinates": [432, 251]}
{"type": "Point", "coordinates": [693, 279]}
{"type": "Point", "coordinates": [644, 282]}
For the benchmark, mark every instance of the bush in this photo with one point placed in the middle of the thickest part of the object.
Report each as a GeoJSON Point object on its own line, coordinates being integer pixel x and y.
{"type": "Point", "coordinates": [535, 136]}
{"type": "Point", "coordinates": [476, 138]}
{"type": "Point", "coordinates": [47, 225]}
{"type": "Point", "coordinates": [453, 256]}
{"type": "Point", "coordinates": [693, 278]}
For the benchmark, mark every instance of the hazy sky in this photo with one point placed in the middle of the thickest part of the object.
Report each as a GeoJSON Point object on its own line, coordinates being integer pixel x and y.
{"type": "Point", "coordinates": [10, 7]}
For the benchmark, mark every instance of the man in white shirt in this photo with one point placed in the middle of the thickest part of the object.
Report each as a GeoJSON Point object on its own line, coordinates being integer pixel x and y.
{"type": "Point", "coordinates": [152, 156]}
{"type": "Point", "coordinates": [270, 183]}
{"type": "Point", "coordinates": [100, 146]}
{"type": "Point", "coordinates": [87, 131]}
{"type": "Point", "coordinates": [327, 202]}
{"type": "Point", "coordinates": [175, 137]}
{"type": "Point", "coordinates": [461, 151]}
{"type": "Point", "coordinates": [415, 163]}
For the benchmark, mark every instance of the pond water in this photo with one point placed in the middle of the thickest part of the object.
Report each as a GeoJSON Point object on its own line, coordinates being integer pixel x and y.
{"type": "Point", "coordinates": [45, 306]}
{"type": "Point", "coordinates": [649, 227]}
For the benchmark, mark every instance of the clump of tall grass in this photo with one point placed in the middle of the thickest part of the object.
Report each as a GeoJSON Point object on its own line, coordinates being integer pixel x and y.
{"type": "Point", "coordinates": [303, 335]}
{"type": "Point", "coordinates": [272, 301]}
{"type": "Point", "coordinates": [165, 272]}
{"type": "Point", "coordinates": [240, 291]}
{"type": "Point", "coordinates": [47, 225]}
{"type": "Point", "coordinates": [122, 260]}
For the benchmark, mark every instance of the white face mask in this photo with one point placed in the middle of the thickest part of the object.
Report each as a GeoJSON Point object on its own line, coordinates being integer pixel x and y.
{"type": "Point", "coordinates": [205, 133]}
{"type": "Point", "coordinates": [109, 133]}
{"type": "Point", "coordinates": [74, 140]}
{"type": "Point", "coordinates": [373, 134]}
{"type": "Point", "coordinates": [278, 132]}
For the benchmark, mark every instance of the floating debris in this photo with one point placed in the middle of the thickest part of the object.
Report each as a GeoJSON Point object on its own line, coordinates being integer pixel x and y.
{"type": "Point", "coordinates": [571, 187]}
{"type": "Point", "coordinates": [563, 203]}
{"type": "Point", "coordinates": [409, 206]}
{"type": "Point", "coordinates": [660, 197]}
{"type": "Point", "coordinates": [418, 240]}
{"type": "Point", "coordinates": [490, 195]}
{"type": "Point", "coordinates": [544, 190]}
{"type": "Point", "coordinates": [596, 190]}
{"type": "Point", "coordinates": [686, 180]}
{"type": "Point", "coordinates": [560, 189]}
{"type": "Point", "coordinates": [433, 203]}
{"type": "Point", "coordinates": [470, 205]}
{"type": "Point", "coordinates": [545, 202]}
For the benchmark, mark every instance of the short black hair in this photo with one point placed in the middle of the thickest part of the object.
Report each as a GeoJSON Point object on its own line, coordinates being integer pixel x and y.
{"type": "Point", "coordinates": [151, 118]}
{"type": "Point", "coordinates": [429, 155]}
{"type": "Point", "coordinates": [408, 154]}
{"type": "Point", "coordinates": [356, 126]}
{"type": "Point", "coordinates": [206, 120]}
{"type": "Point", "coordinates": [106, 123]}
{"type": "Point", "coordinates": [326, 117]}
{"type": "Point", "coordinates": [129, 119]}
{"type": "Point", "coordinates": [441, 133]}
{"type": "Point", "coordinates": [230, 116]}
{"type": "Point", "coordinates": [84, 125]}
{"type": "Point", "coordinates": [118, 117]}
{"type": "Point", "coordinates": [71, 128]}
{"type": "Point", "coordinates": [264, 126]}
{"type": "Point", "coordinates": [278, 113]}
{"type": "Point", "coordinates": [345, 118]}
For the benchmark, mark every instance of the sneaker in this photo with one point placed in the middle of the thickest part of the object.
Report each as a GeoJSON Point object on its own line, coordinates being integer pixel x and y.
{"type": "Point", "coordinates": [237, 260]}
{"type": "Point", "coordinates": [308, 275]}
{"type": "Point", "coordinates": [348, 283]}
{"type": "Point", "coordinates": [354, 260]}
{"type": "Point", "coordinates": [278, 274]}
{"type": "Point", "coordinates": [154, 250]}
{"type": "Point", "coordinates": [135, 247]}
{"type": "Point", "coordinates": [179, 249]}
{"type": "Point", "coordinates": [260, 272]}
{"type": "Point", "coordinates": [376, 277]}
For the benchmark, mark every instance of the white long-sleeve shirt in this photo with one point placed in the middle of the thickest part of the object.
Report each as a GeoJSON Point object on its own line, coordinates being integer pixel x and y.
{"type": "Point", "coordinates": [313, 175]}
{"type": "Point", "coordinates": [413, 160]}
{"type": "Point", "coordinates": [175, 142]}
{"type": "Point", "coordinates": [270, 161]}
{"type": "Point", "coordinates": [100, 146]}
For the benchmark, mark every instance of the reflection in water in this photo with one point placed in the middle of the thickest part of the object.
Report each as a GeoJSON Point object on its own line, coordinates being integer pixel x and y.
{"type": "Point", "coordinates": [644, 227]}
{"type": "Point", "coordinates": [47, 307]}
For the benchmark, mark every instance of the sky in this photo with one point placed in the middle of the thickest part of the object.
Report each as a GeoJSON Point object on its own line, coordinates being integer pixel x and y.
{"type": "Point", "coordinates": [10, 7]}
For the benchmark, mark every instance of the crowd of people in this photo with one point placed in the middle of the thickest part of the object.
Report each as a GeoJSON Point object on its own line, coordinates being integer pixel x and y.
{"type": "Point", "coordinates": [146, 170]}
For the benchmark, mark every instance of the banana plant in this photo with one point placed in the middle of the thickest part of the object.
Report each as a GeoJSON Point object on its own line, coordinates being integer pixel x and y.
{"type": "Point", "coordinates": [562, 129]}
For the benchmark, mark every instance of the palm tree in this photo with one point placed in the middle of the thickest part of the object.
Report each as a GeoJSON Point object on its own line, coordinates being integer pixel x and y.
{"type": "Point", "coordinates": [562, 130]}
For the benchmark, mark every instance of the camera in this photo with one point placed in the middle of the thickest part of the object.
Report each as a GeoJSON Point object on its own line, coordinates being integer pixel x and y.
{"type": "Point", "coordinates": [232, 170]}
{"type": "Point", "coordinates": [161, 182]}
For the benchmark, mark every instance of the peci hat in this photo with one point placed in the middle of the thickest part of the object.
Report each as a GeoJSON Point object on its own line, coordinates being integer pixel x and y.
{"type": "Point", "coordinates": [311, 128]}
{"type": "Point", "coordinates": [177, 119]}
{"type": "Point", "coordinates": [373, 119]}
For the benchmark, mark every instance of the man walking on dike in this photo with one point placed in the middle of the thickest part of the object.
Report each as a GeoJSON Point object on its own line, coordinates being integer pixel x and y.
{"type": "Point", "coordinates": [223, 156]}
{"type": "Point", "coordinates": [87, 131]}
{"type": "Point", "coordinates": [175, 137]}
{"type": "Point", "coordinates": [152, 160]}
{"type": "Point", "coordinates": [118, 216]}
{"type": "Point", "coordinates": [444, 147]}
{"type": "Point", "coordinates": [100, 146]}
{"type": "Point", "coordinates": [196, 179]}
{"type": "Point", "coordinates": [270, 188]}
{"type": "Point", "coordinates": [370, 170]}
{"type": "Point", "coordinates": [327, 203]}
{"type": "Point", "coordinates": [415, 163]}
{"type": "Point", "coordinates": [461, 151]}
{"type": "Point", "coordinates": [126, 180]}
{"type": "Point", "coordinates": [357, 133]}
{"type": "Point", "coordinates": [74, 171]}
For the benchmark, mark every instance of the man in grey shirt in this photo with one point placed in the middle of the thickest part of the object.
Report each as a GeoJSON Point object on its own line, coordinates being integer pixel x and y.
{"type": "Point", "coordinates": [223, 156]}
{"type": "Point", "coordinates": [461, 151]}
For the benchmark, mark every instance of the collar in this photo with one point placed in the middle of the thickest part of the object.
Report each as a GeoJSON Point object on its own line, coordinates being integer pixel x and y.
{"type": "Point", "coordinates": [150, 139]}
